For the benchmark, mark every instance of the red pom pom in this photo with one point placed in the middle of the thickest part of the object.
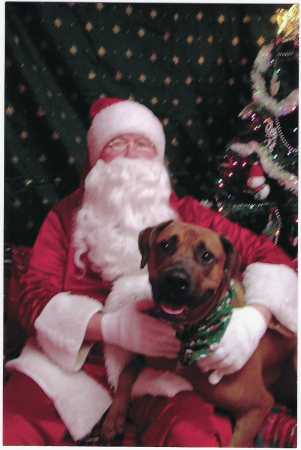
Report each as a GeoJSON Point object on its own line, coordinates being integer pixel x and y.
{"type": "Point", "coordinates": [101, 104]}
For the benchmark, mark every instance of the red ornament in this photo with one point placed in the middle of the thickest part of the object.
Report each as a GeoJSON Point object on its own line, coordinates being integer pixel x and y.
{"type": "Point", "coordinates": [257, 182]}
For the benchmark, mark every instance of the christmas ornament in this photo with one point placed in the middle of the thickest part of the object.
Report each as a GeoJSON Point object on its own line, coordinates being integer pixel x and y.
{"type": "Point", "coordinates": [282, 137]}
{"type": "Point", "coordinates": [265, 149]}
{"type": "Point", "coordinates": [271, 135]}
{"type": "Point", "coordinates": [274, 84]}
{"type": "Point", "coordinates": [273, 228]}
{"type": "Point", "coordinates": [257, 183]}
{"type": "Point", "coordinates": [260, 95]}
{"type": "Point", "coordinates": [286, 179]}
{"type": "Point", "coordinates": [232, 168]}
{"type": "Point", "coordinates": [288, 22]}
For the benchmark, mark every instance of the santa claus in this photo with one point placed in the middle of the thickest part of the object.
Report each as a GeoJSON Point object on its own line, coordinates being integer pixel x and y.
{"type": "Point", "coordinates": [84, 299]}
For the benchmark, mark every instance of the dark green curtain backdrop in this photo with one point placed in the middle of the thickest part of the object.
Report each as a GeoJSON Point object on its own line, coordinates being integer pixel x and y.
{"type": "Point", "coordinates": [189, 63]}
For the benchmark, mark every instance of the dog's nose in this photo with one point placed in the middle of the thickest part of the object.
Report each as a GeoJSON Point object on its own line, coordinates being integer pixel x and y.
{"type": "Point", "coordinates": [176, 282]}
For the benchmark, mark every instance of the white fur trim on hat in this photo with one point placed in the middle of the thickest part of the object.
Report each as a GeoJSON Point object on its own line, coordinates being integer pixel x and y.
{"type": "Point", "coordinates": [124, 117]}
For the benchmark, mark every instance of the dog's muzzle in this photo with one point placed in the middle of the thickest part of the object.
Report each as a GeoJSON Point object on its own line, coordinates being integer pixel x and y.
{"type": "Point", "coordinates": [175, 296]}
{"type": "Point", "coordinates": [172, 293]}
{"type": "Point", "coordinates": [175, 285]}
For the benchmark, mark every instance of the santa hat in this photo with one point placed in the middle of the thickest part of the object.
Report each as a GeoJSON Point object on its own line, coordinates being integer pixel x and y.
{"type": "Point", "coordinates": [112, 117]}
{"type": "Point", "coordinates": [256, 171]}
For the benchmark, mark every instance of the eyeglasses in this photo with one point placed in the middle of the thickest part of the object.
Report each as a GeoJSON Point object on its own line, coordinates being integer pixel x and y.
{"type": "Point", "coordinates": [120, 145]}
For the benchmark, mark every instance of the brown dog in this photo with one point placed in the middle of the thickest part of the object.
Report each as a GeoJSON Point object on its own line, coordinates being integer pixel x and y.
{"type": "Point", "coordinates": [190, 269]}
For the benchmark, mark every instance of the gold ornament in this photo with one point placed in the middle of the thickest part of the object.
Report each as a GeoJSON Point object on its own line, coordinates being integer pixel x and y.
{"type": "Point", "coordinates": [274, 85]}
{"type": "Point", "coordinates": [288, 22]}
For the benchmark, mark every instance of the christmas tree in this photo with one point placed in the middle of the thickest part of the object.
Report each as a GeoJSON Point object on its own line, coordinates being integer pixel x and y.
{"type": "Point", "coordinates": [258, 174]}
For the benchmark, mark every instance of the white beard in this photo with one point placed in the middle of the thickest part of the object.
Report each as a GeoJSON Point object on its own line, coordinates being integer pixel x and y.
{"type": "Point", "coordinates": [121, 199]}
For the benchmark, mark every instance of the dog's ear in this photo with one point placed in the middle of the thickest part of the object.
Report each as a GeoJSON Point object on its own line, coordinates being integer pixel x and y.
{"type": "Point", "coordinates": [233, 258]}
{"type": "Point", "coordinates": [146, 238]}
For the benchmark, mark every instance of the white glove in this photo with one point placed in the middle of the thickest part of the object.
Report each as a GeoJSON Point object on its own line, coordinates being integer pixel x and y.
{"type": "Point", "coordinates": [133, 330]}
{"type": "Point", "coordinates": [241, 338]}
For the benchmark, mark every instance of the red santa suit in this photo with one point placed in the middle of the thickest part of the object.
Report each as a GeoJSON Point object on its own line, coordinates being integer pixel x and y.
{"type": "Point", "coordinates": [82, 396]}
{"type": "Point", "coordinates": [58, 301]}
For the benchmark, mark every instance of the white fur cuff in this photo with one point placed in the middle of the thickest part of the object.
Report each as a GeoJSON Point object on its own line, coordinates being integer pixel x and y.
{"type": "Point", "coordinates": [80, 400]}
{"type": "Point", "coordinates": [156, 382]}
{"type": "Point", "coordinates": [61, 328]}
{"type": "Point", "coordinates": [274, 286]}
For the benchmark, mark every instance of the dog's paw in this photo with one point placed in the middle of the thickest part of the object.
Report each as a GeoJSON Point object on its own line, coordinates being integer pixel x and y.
{"type": "Point", "coordinates": [121, 425]}
{"type": "Point", "coordinates": [115, 423]}
{"type": "Point", "coordinates": [108, 432]}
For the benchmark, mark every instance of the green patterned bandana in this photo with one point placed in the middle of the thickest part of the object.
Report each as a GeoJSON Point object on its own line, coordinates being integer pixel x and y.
{"type": "Point", "coordinates": [201, 339]}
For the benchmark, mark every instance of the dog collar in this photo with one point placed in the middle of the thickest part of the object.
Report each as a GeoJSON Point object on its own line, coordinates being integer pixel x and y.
{"type": "Point", "coordinates": [200, 340]}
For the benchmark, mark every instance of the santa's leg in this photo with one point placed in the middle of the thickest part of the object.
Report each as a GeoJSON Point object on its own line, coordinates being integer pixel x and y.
{"type": "Point", "coordinates": [29, 416]}
{"type": "Point", "coordinates": [184, 420]}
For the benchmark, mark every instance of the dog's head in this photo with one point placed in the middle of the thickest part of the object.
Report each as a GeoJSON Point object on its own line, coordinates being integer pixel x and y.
{"type": "Point", "coordinates": [189, 268]}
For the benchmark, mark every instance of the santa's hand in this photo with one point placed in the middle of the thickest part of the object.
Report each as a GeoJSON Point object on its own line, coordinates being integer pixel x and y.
{"type": "Point", "coordinates": [133, 330]}
{"type": "Point", "coordinates": [241, 338]}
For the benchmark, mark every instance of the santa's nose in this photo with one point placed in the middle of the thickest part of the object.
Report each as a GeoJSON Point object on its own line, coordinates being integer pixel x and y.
{"type": "Point", "coordinates": [131, 151]}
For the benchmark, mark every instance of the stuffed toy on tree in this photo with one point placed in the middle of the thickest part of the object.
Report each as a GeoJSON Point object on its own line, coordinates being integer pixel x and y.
{"type": "Point", "coordinates": [258, 183]}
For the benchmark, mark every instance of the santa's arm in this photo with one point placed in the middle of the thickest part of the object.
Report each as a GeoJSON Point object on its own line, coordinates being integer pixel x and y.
{"type": "Point", "coordinates": [66, 324]}
{"type": "Point", "coordinates": [59, 319]}
{"type": "Point", "coordinates": [268, 276]}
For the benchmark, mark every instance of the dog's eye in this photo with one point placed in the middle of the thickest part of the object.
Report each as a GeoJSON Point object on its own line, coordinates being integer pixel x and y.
{"type": "Point", "coordinates": [168, 247]}
{"type": "Point", "coordinates": [165, 246]}
{"type": "Point", "coordinates": [207, 257]}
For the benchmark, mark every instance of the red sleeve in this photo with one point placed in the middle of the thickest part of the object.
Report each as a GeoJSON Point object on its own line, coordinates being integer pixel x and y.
{"type": "Point", "coordinates": [252, 248]}
{"type": "Point", "coordinates": [45, 275]}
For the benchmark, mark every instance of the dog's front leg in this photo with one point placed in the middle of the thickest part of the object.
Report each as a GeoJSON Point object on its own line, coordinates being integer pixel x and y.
{"type": "Point", "coordinates": [115, 422]}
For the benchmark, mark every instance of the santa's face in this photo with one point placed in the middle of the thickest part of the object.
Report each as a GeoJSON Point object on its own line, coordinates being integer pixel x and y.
{"type": "Point", "coordinates": [128, 146]}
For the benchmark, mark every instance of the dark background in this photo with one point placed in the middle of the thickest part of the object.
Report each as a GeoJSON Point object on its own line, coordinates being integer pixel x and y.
{"type": "Point", "coordinates": [189, 63]}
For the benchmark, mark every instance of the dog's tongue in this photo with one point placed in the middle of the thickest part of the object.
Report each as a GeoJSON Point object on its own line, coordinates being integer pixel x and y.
{"type": "Point", "coordinates": [169, 310]}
